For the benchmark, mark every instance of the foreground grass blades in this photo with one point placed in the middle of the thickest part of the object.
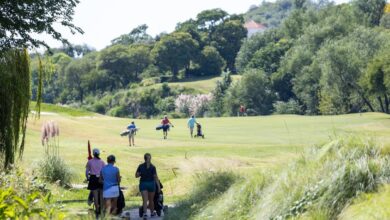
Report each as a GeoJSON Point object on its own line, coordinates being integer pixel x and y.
{"type": "Point", "coordinates": [319, 185]}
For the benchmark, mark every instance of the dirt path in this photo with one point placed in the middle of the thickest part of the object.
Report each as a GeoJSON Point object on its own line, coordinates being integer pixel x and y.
{"type": "Point", "coordinates": [133, 213]}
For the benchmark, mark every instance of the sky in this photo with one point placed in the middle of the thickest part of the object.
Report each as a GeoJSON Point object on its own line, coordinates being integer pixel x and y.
{"type": "Point", "coordinates": [104, 20]}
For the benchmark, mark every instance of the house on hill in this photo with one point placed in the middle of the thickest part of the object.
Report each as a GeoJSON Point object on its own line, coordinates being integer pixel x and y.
{"type": "Point", "coordinates": [254, 27]}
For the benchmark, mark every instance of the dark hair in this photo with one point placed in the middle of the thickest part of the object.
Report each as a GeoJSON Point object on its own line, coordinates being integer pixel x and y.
{"type": "Point", "coordinates": [111, 159]}
{"type": "Point", "coordinates": [147, 155]}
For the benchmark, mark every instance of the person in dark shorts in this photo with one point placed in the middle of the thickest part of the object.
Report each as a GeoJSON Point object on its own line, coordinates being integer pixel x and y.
{"type": "Point", "coordinates": [93, 169]}
{"type": "Point", "coordinates": [148, 184]}
{"type": "Point", "coordinates": [165, 126]}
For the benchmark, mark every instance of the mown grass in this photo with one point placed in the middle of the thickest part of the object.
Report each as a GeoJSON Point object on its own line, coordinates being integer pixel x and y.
{"type": "Point", "coordinates": [67, 111]}
{"type": "Point", "coordinates": [244, 146]}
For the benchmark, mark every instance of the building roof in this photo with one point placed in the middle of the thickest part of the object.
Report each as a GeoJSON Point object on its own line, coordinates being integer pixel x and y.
{"type": "Point", "coordinates": [254, 25]}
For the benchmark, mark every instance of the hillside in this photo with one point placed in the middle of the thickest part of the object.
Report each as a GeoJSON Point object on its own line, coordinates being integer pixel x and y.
{"type": "Point", "coordinates": [243, 146]}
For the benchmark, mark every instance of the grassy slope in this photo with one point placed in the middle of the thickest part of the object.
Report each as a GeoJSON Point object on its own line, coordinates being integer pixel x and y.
{"type": "Point", "coordinates": [238, 144]}
{"type": "Point", "coordinates": [202, 85]}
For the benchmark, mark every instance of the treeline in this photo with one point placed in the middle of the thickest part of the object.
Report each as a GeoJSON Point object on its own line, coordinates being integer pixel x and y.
{"type": "Point", "coordinates": [203, 46]}
{"type": "Point", "coordinates": [331, 60]}
{"type": "Point", "coordinates": [321, 59]}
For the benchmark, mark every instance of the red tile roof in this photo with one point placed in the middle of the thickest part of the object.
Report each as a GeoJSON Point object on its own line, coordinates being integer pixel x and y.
{"type": "Point", "coordinates": [254, 25]}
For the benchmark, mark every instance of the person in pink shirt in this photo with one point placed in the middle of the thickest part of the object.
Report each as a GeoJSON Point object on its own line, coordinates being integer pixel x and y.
{"type": "Point", "coordinates": [92, 172]}
{"type": "Point", "coordinates": [165, 126]}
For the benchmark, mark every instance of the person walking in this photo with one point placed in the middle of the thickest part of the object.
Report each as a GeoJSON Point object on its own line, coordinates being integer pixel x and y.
{"type": "Point", "coordinates": [92, 173]}
{"type": "Point", "coordinates": [191, 124]}
{"type": "Point", "coordinates": [132, 128]}
{"type": "Point", "coordinates": [110, 177]}
{"type": "Point", "coordinates": [165, 126]}
{"type": "Point", "coordinates": [148, 184]}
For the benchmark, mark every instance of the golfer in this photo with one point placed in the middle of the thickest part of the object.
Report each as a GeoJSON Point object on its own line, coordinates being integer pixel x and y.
{"type": "Point", "coordinates": [111, 179]}
{"type": "Point", "coordinates": [148, 184]}
{"type": "Point", "coordinates": [132, 128]}
{"type": "Point", "coordinates": [191, 125]}
{"type": "Point", "coordinates": [165, 126]}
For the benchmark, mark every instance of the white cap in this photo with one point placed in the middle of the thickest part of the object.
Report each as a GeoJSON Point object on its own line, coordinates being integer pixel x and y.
{"type": "Point", "coordinates": [96, 151]}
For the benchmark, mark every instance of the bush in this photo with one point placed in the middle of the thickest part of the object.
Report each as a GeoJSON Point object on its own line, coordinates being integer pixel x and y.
{"type": "Point", "coordinates": [24, 197]}
{"type": "Point", "coordinates": [99, 108]}
{"type": "Point", "coordinates": [290, 107]}
{"type": "Point", "coordinates": [119, 111]}
{"type": "Point", "coordinates": [193, 104]}
{"type": "Point", "coordinates": [150, 81]}
{"type": "Point", "coordinates": [54, 170]}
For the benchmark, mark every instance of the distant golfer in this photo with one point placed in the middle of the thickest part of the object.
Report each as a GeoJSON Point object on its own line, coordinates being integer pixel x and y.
{"type": "Point", "coordinates": [165, 126]}
{"type": "Point", "coordinates": [132, 128]}
{"type": "Point", "coordinates": [191, 125]}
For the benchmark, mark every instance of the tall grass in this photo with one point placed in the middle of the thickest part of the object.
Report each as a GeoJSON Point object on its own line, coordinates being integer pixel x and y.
{"type": "Point", "coordinates": [325, 180]}
{"type": "Point", "coordinates": [207, 187]}
{"type": "Point", "coordinates": [318, 185]}
{"type": "Point", "coordinates": [53, 168]}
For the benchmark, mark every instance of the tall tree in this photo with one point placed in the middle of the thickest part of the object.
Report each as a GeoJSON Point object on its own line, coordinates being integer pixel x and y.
{"type": "Point", "coordinates": [228, 37]}
{"type": "Point", "coordinates": [370, 11]}
{"type": "Point", "coordinates": [175, 51]}
{"type": "Point", "coordinates": [19, 21]}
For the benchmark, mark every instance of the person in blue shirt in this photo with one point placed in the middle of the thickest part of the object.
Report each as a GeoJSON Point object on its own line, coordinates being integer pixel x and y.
{"type": "Point", "coordinates": [132, 131]}
{"type": "Point", "coordinates": [111, 178]}
{"type": "Point", "coordinates": [191, 124]}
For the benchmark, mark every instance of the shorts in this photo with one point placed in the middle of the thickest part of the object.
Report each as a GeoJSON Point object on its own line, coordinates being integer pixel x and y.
{"type": "Point", "coordinates": [93, 183]}
{"type": "Point", "coordinates": [165, 128]}
{"type": "Point", "coordinates": [149, 186]}
{"type": "Point", "coordinates": [111, 193]}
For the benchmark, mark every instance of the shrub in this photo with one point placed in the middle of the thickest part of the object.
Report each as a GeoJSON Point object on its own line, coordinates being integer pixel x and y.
{"type": "Point", "coordinates": [24, 197]}
{"type": "Point", "coordinates": [99, 108]}
{"type": "Point", "coordinates": [150, 81]}
{"type": "Point", "coordinates": [193, 104]}
{"type": "Point", "coordinates": [119, 111]}
{"type": "Point", "coordinates": [290, 107]}
{"type": "Point", "coordinates": [54, 170]}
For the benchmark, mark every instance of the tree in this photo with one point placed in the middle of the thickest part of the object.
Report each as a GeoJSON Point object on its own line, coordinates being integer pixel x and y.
{"type": "Point", "coordinates": [369, 12]}
{"type": "Point", "coordinates": [137, 35]}
{"type": "Point", "coordinates": [208, 19]}
{"type": "Point", "coordinates": [377, 79]}
{"type": "Point", "coordinates": [139, 57]}
{"type": "Point", "coordinates": [19, 19]}
{"type": "Point", "coordinates": [76, 76]}
{"type": "Point", "coordinates": [211, 62]}
{"type": "Point", "coordinates": [175, 51]}
{"type": "Point", "coordinates": [228, 38]}
{"type": "Point", "coordinates": [117, 63]}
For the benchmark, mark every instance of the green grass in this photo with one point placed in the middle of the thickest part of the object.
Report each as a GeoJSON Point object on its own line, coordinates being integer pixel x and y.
{"type": "Point", "coordinates": [369, 206]}
{"type": "Point", "coordinates": [67, 111]}
{"type": "Point", "coordinates": [203, 85]}
{"type": "Point", "coordinates": [241, 145]}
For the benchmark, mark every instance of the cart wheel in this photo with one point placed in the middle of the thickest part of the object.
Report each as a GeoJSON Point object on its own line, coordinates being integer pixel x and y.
{"type": "Point", "coordinates": [165, 209]}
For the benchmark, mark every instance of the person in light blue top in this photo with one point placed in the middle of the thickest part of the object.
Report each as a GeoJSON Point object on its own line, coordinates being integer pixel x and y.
{"type": "Point", "coordinates": [191, 124]}
{"type": "Point", "coordinates": [132, 131]}
{"type": "Point", "coordinates": [110, 177]}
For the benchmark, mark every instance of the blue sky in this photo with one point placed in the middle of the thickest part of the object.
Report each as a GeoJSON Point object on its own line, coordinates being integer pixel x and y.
{"type": "Point", "coordinates": [103, 20]}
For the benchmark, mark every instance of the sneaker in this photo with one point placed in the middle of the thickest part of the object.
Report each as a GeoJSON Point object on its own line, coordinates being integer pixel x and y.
{"type": "Point", "coordinates": [154, 214]}
{"type": "Point", "coordinates": [145, 216]}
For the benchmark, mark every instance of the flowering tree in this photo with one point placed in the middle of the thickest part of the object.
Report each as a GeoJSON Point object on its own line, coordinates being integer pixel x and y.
{"type": "Point", "coordinates": [193, 104]}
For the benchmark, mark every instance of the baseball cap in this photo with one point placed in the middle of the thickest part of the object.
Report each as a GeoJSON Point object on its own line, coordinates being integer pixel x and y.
{"type": "Point", "coordinates": [96, 151]}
